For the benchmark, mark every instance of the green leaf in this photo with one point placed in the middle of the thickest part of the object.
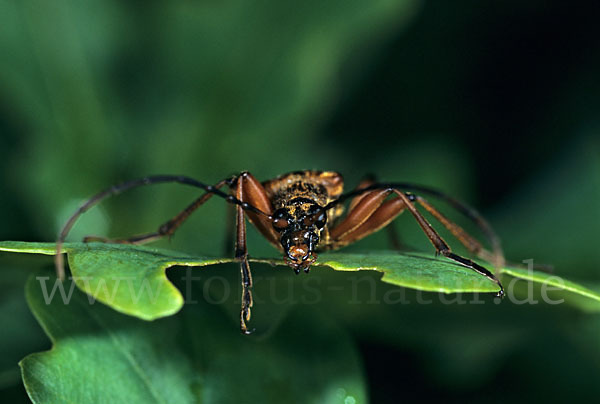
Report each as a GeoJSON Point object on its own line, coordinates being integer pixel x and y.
{"type": "Point", "coordinates": [132, 280]}
{"type": "Point", "coordinates": [99, 355]}
{"type": "Point", "coordinates": [20, 334]}
{"type": "Point", "coordinates": [555, 289]}
{"type": "Point", "coordinates": [415, 270]}
{"type": "Point", "coordinates": [551, 280]}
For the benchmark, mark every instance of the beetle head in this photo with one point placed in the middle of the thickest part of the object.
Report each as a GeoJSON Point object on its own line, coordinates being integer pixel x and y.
{"type": "Point", "coordinates": [299, 224]}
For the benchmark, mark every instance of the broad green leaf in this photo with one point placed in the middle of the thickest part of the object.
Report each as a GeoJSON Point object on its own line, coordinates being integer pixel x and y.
{"type": "Point", "coordinates": [415, 270]}
{"type": "Point", "coordinates": [556, 289]}
{"type": "Point", "coordinates": [551, 280]}
{"type": "Point", "coordinates": [99, 355]}
{"type": "Point", "coordinates": [20, 334]}
{"type": "Point", "coordinates": [132, 279]}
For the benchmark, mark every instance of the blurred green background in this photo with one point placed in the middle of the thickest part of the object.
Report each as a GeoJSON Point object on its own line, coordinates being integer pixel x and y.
{"type": "Point", "coordinates": [496, 103]}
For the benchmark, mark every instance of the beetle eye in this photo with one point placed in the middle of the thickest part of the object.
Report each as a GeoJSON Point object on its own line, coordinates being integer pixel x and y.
{"type": "Point", "coordinates": [318, 218]}
{"type": "Point", "coordinates": [280, 224]}
{"type": "Point", "coordinates": [321, 219]}
{"type": "Point", "coordinates": [280, 219]}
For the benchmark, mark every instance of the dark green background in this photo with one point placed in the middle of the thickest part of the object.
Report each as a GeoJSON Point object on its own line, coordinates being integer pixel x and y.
{"type": "Point", "coordinates": [494, 102]}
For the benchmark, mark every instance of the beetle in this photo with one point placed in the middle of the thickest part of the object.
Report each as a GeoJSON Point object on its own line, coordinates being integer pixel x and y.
{"type": "Point", "coordinates": [302, 212]}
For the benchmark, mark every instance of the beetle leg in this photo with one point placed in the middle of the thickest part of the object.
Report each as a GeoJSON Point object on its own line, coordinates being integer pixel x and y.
{"type": "Point", "coordinates": [364, 208]}
{"type": "Point", "coordinates": [366, 182]}
{"type": "Point", "coordinates": [117, 189]}
{"type": "Point", "coordinates": [441, 246]}
{"type": "Point", "coordinates": [249, 190]}
{"type": "Point", "coordinates": [472, 244]}
{"type": "Point", "coordinates": [465, 210]}
{"type": "Point", "coordinates": [167, 228]}
{"type": "Point", "coordinates": [380, 218]}
{"type": "Point", "coordinates": [241, 254]}
{"type": "Point", "coordinates": [367, 213]}
{"type": "Point", "coordinates": [253, 192]}
{"type": "Point", "coordinates": [360, 222]}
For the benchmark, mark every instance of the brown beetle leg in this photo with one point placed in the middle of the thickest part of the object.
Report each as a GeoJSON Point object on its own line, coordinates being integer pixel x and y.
{"type": "Point", "coordinates": [441, 246]}
{"type": "Point", "coordinates": [254, 194]}
{"type": "Point", "coordinates": [250, 191]}
{"type": "Point", "coordinates": [473, 245]}
{"type": "Point", "coordinates": [117, 189]}
{"type": "Point", "coordinates": [167, 228]}
{"type": "Point", "coordinates": [367, 213]}
{"type": "Point", "coordinates": [380, 218]}
{"type": "Point", "coordinates": [370, 214]}
{"type": "Point", "coordinates": [361, 212]}
{"type": "Point", "coordinates": [364, 183]}
{"type": "Point", "coordinates": [389, 225]}
{"type": "Point", "coordinates": [241, 253]}
{"type": "Point", "coordinates": [465, 210]}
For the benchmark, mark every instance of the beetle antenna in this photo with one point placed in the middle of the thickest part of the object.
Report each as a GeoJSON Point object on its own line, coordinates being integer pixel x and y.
{"type": "Point", "coordinates": [117, 189]}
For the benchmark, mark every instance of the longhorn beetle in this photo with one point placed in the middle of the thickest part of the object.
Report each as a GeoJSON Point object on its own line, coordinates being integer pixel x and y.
{"type": "Point", "coordinates": [301, 213]}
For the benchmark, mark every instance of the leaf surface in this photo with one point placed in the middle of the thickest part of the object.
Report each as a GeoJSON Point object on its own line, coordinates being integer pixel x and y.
{"type": "Point", "coordinates": [99, 355]}
{"type": "Point", "coordinates": [132, 279]}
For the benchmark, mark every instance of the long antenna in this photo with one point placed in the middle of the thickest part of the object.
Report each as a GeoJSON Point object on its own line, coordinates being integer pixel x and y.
{"type": "Point", "coordinates": [117, 189]}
